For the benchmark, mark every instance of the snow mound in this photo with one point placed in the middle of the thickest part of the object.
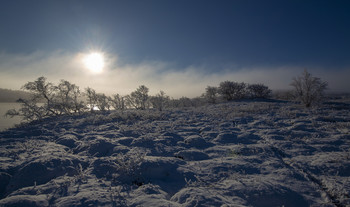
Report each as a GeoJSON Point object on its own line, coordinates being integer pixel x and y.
{"type": "Point", "coordinates": [197, 142]}
{"type": "Point", "coordinates": [68, 140]}
{"type": "Point", "coordinates": [191, 155]}
{"type": "Point", "coordinates": [96, 146]}
{"type": "Point", "coordinates": [226, 138]}
{"type": "Point", "coordinates": [25, 200]}
{"type": "Point", "coordinates": [47, 167]}
{"type": "Point", "coordinates": [4, 181]}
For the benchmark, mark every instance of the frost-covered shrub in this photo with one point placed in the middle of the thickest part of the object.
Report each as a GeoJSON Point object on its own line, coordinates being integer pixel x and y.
{"type": "Point", "coordinates": [67, 98]}
{"type": "Point", "coordinates": [198, 101]}
{"type": "Point", "coordinates": [97, 100]}
{"type": "Point", "coordinates": [159, 101]}
{"type": "Point", "coordinates": [118, 102]}
{"type": "Point", "coordinates": [258, 91]}
{"type": "Point", "coordinates": [232, 90]}
{"type": "Point", "coordinates": [42, 91]}
{"type": "Point", "coordinates": [129, 165]}
{"type": "Point", "coordinates": [308, 90]}
{"type": "Point", "coordinates": [48, 100]}
{"type": "Point", "coordinates": [184, 102]}
{"type": "Point", "coordinates": [30, 110]}
{"type": "Point", "coordinates": [211, 94]}
{"type": "Point", "coordinates": [139, 98]}
{"type": "Point", "coordinates": [187, 102]}
{"type": "Point", "coordinates": [91, 97]}
{"type": "Point", "coordinates": [103, 102]}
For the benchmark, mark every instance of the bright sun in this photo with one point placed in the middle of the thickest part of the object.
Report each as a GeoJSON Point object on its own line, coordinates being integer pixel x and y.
{"type": "Point", "coordinates": [94, 62]}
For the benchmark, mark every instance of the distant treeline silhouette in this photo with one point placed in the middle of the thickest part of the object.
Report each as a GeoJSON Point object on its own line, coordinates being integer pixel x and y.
{"type": "Point", "coordinates": [7, 95]}
{"type": "Point", "coordinates": [67, 98]}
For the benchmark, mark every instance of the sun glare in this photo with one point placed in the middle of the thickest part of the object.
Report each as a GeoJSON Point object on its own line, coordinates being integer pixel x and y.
{"type": "Point", "coordinates": [94, 62]}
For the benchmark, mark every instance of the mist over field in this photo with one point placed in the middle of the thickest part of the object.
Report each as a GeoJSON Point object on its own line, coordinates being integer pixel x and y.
{"type": "Point", "coordinates": [177, 82]}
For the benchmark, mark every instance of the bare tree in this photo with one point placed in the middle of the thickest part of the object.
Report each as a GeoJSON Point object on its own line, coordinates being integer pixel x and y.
{"type": "Point", "coordinates": [211, 94]}
{"type": "Point", "coordinates": [29, 110]}
{"type": "Point", "coordinates": [118, 102]}
{"type": "Point", "coordinates": [159, 101]}
{"type": "Point", "coordinates": [102, 102]}
{"type": "Point", "coordinates": [308, 90]}
{"type": "Point", "coordinates": [138, 99]}
{"type": "Point", "coordinates": [34, 108]}
{"type": "Point", "coordinates": [92, 98]}
{"type": "Point", "coordinates": [42, 91]}
{"type": "Point", "coordinates": [184, 102]}
{"type": "Point", "coordinates": [67, 98]}
{"type": "Point", "coordinates": [48, 100]}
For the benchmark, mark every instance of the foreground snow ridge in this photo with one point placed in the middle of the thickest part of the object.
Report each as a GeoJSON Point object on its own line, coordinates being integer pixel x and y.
{"type": "Point", "coordinates": [265, 153]}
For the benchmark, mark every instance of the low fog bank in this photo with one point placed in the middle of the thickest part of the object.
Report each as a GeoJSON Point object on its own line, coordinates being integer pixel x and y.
{"type": "Point", "coordinates": [17, 69]}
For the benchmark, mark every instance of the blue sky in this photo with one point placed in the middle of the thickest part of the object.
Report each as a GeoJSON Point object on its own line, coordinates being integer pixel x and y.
{"type": "Point", "coordinates": [213, 40]}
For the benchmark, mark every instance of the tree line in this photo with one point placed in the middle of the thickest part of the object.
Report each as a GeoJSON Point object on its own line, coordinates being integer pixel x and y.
{"type": "Point", "coordinates": [47, 99]}
{"type": "Point", "coordinates": [230, 90]}
{"type": "Point", "coordinates": [10, 96]}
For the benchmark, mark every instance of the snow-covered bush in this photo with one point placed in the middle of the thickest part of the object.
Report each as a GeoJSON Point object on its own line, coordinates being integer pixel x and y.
{"type": "Point", "coordinates": [103, 102]}
{"type": "Point", "coordinates": [91, 97]}
{"type": "Point", "coordinates": [187, 102]}
{"type": "Point", "coordinates": [139, 98]}
{"type": "Point", "coordinates": [198, 101]}
{"type": "Point", "coordinates": [211, 94]}
{"type": "Point", "coordinates": [308, 90]}
{"type": "Point", "coordinates": [118, 102]}
{"type": "Point", "coordinates": [159, 101]}
{"type": "Point", "coordinates": [67, 98]}
{"type": "Point", "coordinates": [42, 91]}
{"type": "Point", "coordinates": [232, 90]}
{"type": "Point", "coordinates": [97, 100]}
{"type": "Point", "coordinates": [258, 91]}
{"type": "Point", "coordinates": [182, 102]}
{"type": "Point", "coordinates": [30, 110]}
{"type": "Point", "coordinates": [129, 164]}
{"type": "Point", "coordinates": [48, 100]}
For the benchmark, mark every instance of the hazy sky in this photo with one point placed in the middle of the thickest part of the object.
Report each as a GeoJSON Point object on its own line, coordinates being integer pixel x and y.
{"type": "Point", "coordinates": [178, 46]}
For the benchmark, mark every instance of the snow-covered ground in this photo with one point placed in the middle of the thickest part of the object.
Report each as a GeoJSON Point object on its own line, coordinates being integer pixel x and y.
{"type": "Point", "coordinates": [262, 153]}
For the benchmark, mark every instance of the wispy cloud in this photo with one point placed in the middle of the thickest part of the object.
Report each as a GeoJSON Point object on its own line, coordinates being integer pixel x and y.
{"type": "Point", "coordinates": [17, 69]}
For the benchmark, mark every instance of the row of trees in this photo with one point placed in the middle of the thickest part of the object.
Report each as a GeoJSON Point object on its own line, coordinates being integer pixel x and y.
{"type": "Point", "coordinates": [66, 98]}
{"type": "Point", "coordinates": [229, 90]}
{"type": "Point", "coordinates": [307, 89]}
{"type": "Point", "coordinates": [138, 99]}
{"type": "Point", "coordinates": [49, 100]}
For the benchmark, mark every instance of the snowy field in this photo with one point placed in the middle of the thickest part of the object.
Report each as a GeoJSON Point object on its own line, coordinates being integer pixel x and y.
{"type": "Point", "coordinates": [262, 153]}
